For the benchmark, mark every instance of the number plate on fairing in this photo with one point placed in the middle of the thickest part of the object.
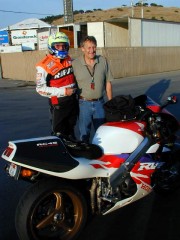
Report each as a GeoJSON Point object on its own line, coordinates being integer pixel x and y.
{"type": "Point", "coordinates": [14, 170]}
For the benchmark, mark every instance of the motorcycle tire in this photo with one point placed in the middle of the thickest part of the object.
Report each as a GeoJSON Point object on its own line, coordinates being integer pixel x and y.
{"type": "Point", "coordinates": [51, 210]}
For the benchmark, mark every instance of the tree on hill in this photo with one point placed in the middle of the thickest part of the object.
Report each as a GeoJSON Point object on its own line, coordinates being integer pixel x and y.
{"type": "Point", "coordinates": [50, 19]}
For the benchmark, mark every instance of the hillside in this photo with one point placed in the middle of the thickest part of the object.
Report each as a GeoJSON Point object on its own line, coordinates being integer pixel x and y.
{"type": "Point", "coordinates": [158, 13]}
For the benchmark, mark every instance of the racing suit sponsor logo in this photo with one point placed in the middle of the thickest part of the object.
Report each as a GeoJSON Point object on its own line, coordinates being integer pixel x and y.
{"type": "Point", "coordinates": [54, 70]}
{"type": "Point", "coordinates": [63, 73]}
{"type": "Point", "coordinates": [44, 93]}
{"type": "Point", "coordinates": [50, 64]}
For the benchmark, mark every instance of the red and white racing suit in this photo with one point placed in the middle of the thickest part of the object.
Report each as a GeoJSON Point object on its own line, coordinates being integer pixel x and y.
{"type": "Point", "coordinates": [53, 76]}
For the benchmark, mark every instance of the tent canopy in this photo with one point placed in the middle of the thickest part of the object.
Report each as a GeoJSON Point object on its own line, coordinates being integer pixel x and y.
{"type": "Point", "coordinates": [29, 23]}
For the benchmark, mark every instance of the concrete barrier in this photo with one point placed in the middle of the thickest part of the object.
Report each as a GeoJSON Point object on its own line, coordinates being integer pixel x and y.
{"type": "Point", "coordinates": [124, 61]}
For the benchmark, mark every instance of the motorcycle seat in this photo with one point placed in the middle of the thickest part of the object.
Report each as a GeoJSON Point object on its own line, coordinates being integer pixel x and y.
{"type": "Point", "coordinates": [82, 149]}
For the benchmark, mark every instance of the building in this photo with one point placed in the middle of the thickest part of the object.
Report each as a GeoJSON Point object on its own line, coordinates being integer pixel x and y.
{"type": "Point", "coordinates": [30, 34]}
{"type": "Point", "coordinates": [125, 32]}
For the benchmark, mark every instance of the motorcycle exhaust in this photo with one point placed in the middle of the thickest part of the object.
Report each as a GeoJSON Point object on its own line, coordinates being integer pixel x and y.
{"type": "Point", "coordinates": [123, 171]}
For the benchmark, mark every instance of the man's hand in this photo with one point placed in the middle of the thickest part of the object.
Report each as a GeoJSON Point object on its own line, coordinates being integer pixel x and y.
{"type": "Point", "coordinates": [70, 91]}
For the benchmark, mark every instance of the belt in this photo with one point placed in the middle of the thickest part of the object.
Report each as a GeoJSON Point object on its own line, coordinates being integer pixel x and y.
{"type": "Point", "coordinates": [90, 99]}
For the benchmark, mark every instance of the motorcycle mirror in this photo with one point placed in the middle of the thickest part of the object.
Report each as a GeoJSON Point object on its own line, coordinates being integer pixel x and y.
{"type": "Point", "coordinates": [172, 99]}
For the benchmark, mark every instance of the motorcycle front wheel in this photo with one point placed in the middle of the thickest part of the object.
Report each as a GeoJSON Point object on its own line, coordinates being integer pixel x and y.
{"type": "Point", "coordinates": [51, 210]}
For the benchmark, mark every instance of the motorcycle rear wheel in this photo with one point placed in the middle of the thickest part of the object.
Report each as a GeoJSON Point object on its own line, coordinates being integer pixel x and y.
{"type": "Point", "coordinates": [51, 210]}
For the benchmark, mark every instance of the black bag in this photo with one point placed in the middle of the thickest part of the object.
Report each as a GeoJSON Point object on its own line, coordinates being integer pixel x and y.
{"type": "Point", "coordinates": [120, 108]}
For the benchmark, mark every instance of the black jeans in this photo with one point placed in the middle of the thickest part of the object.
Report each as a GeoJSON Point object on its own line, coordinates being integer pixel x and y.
{"type": "Point", "coordinates": [64, 115]}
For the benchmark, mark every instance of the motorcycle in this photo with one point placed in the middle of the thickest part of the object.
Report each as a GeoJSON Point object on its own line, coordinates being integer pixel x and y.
{"type": "Point", "coordinates": [72, 181]}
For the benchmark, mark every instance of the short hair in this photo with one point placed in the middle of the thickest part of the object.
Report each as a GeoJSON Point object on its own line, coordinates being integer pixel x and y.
{"type": "Point", "coordinates": [88, 38]}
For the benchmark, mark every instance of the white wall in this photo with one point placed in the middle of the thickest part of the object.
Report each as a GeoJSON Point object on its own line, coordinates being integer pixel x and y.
{"type": "Point", "coordinates": [134, 32]}
{"type": "Point", "coordinates": [160, 34]}
{"type": "Point", "coordinates": [150, 33]}
{"type": "Point", "coordinates": [76, 29]}
{"type": "Point", "coordinates": [96, 29]}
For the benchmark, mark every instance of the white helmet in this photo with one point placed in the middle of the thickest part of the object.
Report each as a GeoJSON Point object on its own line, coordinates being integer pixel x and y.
{"type": "Point", "coordinates": [58, 37]}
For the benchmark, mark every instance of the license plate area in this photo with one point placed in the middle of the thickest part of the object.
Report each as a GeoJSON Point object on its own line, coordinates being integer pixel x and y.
{"type": "Point", "coordinates": [14, 170]}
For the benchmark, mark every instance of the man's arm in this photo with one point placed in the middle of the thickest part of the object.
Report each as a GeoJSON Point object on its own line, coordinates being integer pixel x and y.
{"type": "Point", "coordinates": [109, 90]}
{"type": "Point", "coordinates": [45, 91]}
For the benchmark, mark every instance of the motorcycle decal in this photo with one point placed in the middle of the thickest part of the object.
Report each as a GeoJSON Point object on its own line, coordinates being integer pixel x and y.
{"type": "Point", "coordinates": [147, 166]}
{"type": "Point", "coordinates": [134, 126]}
{"type": "Point", "coordinates": [143, 171]}
{"type": "Point", "coordinates": [146, 187]}
{"type": "Point", "coordinates": [47, 144]}
{"type": "Point", "coordinates": [139, 178]}
{"type": "Point", "coordinates": [111, 161]}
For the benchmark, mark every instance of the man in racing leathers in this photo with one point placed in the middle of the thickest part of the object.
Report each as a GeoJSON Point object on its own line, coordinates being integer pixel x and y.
{"type": "Point", "coordinates": [55, 80]}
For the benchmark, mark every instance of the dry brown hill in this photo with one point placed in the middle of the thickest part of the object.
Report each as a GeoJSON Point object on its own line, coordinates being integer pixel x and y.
{"type": "Point", "coordinates": [158, 13]}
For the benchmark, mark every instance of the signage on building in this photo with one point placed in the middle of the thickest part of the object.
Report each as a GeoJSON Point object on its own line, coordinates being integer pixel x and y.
{"type": "Point", "coordinates": [4, 38]}
{"type": "Point", "coordinates": [43, 40]}
{"type": "Point", "coordinates": [22, 36]}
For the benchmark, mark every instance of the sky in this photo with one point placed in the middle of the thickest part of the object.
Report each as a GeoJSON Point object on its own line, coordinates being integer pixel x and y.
{"type": "Point", "coordinates": [14, 11]}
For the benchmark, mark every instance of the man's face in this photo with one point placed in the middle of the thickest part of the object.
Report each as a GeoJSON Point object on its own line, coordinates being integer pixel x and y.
{"type": "Point", "coordinates": [89, 49]}
{"type": "Point", "coordinates": [60, 46]}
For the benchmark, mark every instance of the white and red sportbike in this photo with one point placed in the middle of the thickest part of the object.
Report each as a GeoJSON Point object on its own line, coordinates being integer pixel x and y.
{"type": "Point", "coordinates": [126, 161]}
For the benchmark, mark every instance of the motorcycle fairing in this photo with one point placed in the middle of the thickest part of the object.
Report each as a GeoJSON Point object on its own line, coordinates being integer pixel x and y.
{"type": "Point", "coordinates": [154, 106]}
{"type": "Point", "coordinates": [143, 170]}
{"type": "Point", "coordinates": [140, 193]}
{"type": "Point", "coordinates": [141, 175]}
{"type": "Point", "coordinates": [110, 161]}
{"type": "Point", "coordinates": [43, 153]}
{"type": "Point", "coordinates": [49, 155]}
{"type": "Point", "coordinates": [54, 159]}
{"type": "Point", "coordinates": [114, 137]}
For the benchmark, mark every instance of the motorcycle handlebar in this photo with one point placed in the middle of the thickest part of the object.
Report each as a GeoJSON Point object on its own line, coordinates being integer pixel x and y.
{"type": "Point", "coordinates": [145, 114]}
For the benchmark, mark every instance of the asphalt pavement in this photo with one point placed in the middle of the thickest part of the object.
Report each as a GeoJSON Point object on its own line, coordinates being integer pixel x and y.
{"type": "Point", "coordinates": [24, 114]}
{"type": "Point", "coordinates": [9, 83]}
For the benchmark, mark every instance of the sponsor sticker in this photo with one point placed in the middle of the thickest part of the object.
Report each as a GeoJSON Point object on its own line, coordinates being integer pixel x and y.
{"type": "Point", "coordinates": [44, 93]}
{"type": "Point", "coordinates": [50, 64]}
{"type": "Point", "coordinates": [47, 144]}
{"type": "Point", "coordinates": [38, 76]}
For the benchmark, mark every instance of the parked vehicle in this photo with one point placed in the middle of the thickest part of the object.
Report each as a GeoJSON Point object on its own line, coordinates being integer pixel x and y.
{"type": "Point", "coordinates": [72, 181]}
